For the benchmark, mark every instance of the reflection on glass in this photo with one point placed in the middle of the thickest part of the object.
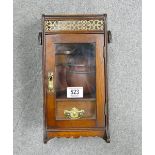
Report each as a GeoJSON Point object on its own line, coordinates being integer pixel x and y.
{"type": "Point", "coordinates": [75, 67]}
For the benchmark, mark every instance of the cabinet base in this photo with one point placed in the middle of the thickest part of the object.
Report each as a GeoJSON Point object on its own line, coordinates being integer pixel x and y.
{"type": "Point", "coordinates": [49, 134]}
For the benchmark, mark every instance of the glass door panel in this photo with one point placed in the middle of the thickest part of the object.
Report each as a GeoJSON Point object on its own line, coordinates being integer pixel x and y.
{"type": "Point", "coordinates": [75, 70]}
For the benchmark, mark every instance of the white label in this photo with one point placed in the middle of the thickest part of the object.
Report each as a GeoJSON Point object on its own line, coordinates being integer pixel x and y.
{"type": "Point", "coordinates": [74, 92]}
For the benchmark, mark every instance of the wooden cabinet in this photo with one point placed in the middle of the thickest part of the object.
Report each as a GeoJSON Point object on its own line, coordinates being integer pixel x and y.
{"type": "Point", "coordinates": [74, 75]}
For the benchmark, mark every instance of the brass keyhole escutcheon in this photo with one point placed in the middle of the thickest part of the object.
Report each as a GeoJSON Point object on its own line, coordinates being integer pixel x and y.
{"type": "Point", "coordinates": [50, 82]}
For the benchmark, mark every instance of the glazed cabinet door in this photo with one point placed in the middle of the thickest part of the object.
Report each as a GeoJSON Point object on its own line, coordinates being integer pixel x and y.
{"type": "Point", "coordinates": [74, 81]}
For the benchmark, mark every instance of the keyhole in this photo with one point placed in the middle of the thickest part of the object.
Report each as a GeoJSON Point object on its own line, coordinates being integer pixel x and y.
{"type": "Point", "coordinates": [50, 78]}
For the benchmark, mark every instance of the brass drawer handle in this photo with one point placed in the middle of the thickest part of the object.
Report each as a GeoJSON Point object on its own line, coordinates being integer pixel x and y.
{"type": "Point", "coordinates": [74, 113]}
{"type": "Point", "coordinates": [50, 82]}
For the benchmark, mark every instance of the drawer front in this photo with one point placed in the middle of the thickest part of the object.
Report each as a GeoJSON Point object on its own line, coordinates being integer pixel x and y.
{"type": "Point", "coordinates": [74, 110]}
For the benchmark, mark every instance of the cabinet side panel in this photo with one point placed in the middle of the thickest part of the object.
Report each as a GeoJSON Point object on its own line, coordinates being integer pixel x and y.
{"type": "Point", "coordinates": [100, 81]}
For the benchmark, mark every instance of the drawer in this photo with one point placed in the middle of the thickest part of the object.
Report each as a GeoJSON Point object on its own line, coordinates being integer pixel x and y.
{"type": "Point", "coordinates": [72, 110]}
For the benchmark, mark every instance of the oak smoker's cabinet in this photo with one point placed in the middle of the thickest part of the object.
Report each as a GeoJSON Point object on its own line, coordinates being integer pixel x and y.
{"type": "Point", "coordinates": [74, 75]}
